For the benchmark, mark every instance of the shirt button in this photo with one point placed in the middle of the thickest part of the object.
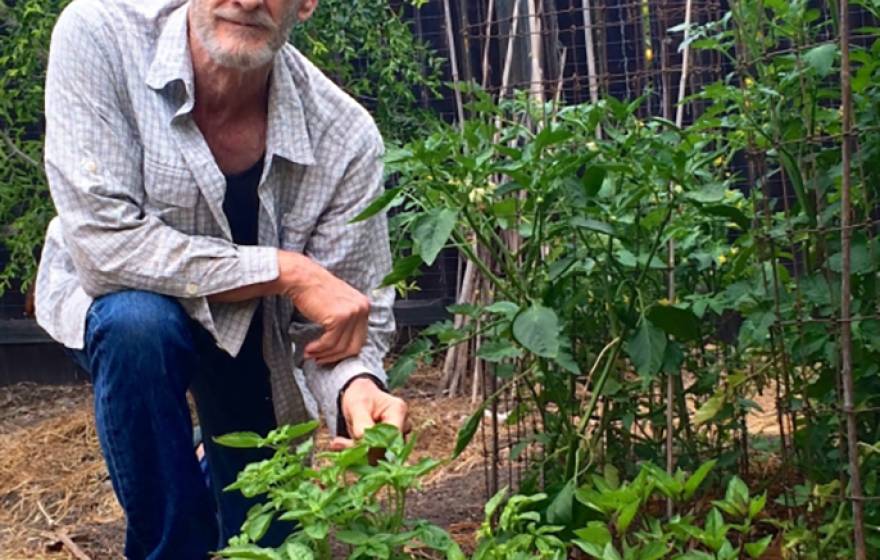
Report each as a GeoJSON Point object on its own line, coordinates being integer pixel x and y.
{"type": "Point", "coordinates": [192, 289]}
{"type": "Point", "coordinates": [91, 166]}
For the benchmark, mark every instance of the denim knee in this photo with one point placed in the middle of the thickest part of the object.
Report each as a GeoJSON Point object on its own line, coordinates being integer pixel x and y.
{"type": "Point", "coordinates": [136, 328]}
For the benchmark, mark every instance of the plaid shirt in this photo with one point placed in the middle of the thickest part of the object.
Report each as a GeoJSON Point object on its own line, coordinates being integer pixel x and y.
{"type": "Point", "coordinates": [139, 195]}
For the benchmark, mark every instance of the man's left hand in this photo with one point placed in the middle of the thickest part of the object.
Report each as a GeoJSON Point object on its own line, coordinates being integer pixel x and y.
{"type": "Point", "coordinates": [364, 404]}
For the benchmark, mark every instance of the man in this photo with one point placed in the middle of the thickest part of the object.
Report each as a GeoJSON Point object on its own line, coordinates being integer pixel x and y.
{"type": "Point", "coordinates": [205, 176]}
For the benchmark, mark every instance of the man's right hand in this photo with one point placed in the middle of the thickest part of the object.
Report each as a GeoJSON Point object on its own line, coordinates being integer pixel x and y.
{"type": "Point", "coordinates": [324, 299]}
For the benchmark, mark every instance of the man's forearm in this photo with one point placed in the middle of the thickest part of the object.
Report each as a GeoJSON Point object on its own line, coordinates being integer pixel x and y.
{"type": "Point", "coordinates": [253, 291]}
{"type": "Point", "coordinates": [279, 285]}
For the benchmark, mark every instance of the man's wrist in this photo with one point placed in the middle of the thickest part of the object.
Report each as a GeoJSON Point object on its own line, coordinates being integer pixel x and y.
{"type": "Point", "coordinates": [341, 424]}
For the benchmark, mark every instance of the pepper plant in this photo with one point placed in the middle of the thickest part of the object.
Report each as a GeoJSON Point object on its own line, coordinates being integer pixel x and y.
{"type": "Point", "coordinates": [568, 229]}
{"type": "Point", "coordinates": [361, 505]}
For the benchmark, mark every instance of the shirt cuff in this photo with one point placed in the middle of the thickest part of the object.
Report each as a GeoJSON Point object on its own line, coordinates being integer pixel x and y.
{"type": "Point", "coordinates": [258, 264]}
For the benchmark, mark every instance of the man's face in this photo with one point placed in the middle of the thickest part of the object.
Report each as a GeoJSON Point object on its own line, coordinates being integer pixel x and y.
{"type": "Point", "coordinates": [243, 34]}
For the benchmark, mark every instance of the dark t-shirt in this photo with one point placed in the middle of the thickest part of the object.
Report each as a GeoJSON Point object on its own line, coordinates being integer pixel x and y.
{"type": "Point", "coordinates": [242, 205]}
{"type": "Point", "coordinates": [242, 208]}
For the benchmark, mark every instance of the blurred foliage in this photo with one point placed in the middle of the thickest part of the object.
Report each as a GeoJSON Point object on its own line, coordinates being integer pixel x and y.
{"type": "Point", "coordinates": [367, 48]}
{"type": "Point", "coordinates": [25, 206]}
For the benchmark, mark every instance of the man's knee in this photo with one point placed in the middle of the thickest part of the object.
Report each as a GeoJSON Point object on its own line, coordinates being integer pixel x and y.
{"type": "Point", "coordinates": [143, 320]}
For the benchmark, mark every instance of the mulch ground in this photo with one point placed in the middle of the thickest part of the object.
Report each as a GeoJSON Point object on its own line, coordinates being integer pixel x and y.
{"type": "Point", "coordinates": [56, 500]}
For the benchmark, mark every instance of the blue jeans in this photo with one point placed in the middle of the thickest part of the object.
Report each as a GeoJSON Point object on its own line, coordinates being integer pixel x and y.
{"type": "Point", "coordinates": [143, 352]}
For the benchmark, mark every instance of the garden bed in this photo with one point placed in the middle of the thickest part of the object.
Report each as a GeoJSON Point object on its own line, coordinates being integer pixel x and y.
{"type": "Point", "coordinates": [54, 485]}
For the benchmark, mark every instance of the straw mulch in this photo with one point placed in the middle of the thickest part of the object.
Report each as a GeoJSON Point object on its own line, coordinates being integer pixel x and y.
{"type": "Point", "coordinates": [56, 500]}
{"type": "Point", "coordinates": [54, 486]}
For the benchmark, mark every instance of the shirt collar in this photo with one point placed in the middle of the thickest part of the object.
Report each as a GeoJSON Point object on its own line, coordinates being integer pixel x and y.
{"type": "Point", "coordinates": [287, 135]}
{"type": "Point", "coordinates": [172, 60]}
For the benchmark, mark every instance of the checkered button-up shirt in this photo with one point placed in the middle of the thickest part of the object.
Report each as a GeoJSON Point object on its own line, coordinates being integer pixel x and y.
{"type": "Point", "coordinates": [139, 195]}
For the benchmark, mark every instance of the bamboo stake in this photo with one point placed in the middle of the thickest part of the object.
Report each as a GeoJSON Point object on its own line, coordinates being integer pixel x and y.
{"type": "Point", "coordinates": [536, 84]}
{"type": "Point", "coordinates": [592, 79]}
{"type": "Point", "coordinates": [488, 43]}
{"type": "Point", "coordinates": [450, 362]}
{"type": "Point", "coordinates": [453, 61]}
{"type": "Point", "coordinates": [846, 374]}
{"type": "Point", "coordinates": [508, 56]}
{"type": "Point", "coordinates": [670, 260]}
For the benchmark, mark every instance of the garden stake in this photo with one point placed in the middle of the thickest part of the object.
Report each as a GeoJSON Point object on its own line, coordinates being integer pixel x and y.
{"type": "Point", "coordinates": [845, 291]}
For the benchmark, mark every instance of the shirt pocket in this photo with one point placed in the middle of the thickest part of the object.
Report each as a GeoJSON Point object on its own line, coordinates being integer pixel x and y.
{"type": "Point", "coordinates": [172, 195]}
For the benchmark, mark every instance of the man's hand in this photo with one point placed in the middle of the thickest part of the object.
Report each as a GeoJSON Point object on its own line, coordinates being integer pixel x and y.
{"type": "Point", "coordinates": [364, 404]}
{"type": "Point", "coordinates": [326, 300]}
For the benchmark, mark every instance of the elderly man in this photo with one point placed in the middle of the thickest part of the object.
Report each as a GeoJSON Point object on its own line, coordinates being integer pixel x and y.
{"type": "Point", "coordinates": [205, 176]}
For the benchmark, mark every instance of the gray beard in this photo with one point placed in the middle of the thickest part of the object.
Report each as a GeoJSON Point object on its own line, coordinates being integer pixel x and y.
{"type": "Point", "coordinates": [242, 58]}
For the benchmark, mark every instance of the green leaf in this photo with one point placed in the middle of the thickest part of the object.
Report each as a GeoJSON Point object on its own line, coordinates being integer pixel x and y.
{"type": "Point", "coordinates": [756, 505]}
{"type": "Point", "coordinates": [733, 214]}
{"type": "Point", "coordinates": [712, 193]}
{"type": "Point", "coordinates": [467, 431]}
{"type": "Point", "coordinates": [595, 533]}
{"type": "Point", "coordinates": [295, 431]}
{"type": "Point", "coordinates": [379, 204]}
{"type": "Point", "coordinates": [241, 440]}
{"type": "Point", "coordinates": [626, 515]}
{"type": "Point", "coordinates": [257, 526]}
{"type": "Point", "coordinates": [680, 323]}
{"type": "Point", "coordinates": [821, 58]}
{"type": "Point", "coordinates": [566, 361]}
{"type": "Point", "coordinates": [646, 348]}
{"type": "Point", "coordinates": [431, 232]}
{"type": "Point", "coordinates": [559, 510]}
{"type": "Point", "coordinates": [589, 548]}
{"type": "Point", "coordinates": [537, 330]}
{"type": "Point", "coordinates": [610, 553]}
{"type": "Point", "coordinates": [592, 179]}
{"type": "Point", "coordinates": [403, 269]}
{"type": "Point", "coordinates": [352, 537]}
{"type": "Point", "coordinates": [492, 505]}
{"type": "Point", "coordinates": [249, 552]}
{"type": "Point", "coordinates": [757, 549]}
{"type": "Point", "coordinates": [710, 409]}
{"type": "Point", "coordinates": [298, 551]}
{"type": "Point", "coordinates": [797, 182]}
{"type": "Point", "coordinates": [506, 308]}
{"type": "Point", "coordinates": [317, 529]}
{"type": "Point", "coordinates": [401, 370]}
{"type": "Point", "coordinates": [550, 136]}
{"type": "Point", "coordinates": [498, 350]}
{"type": "Point", "coordinates": [695, 480]}
{"type": "Point", "coordinates": [592, 225]}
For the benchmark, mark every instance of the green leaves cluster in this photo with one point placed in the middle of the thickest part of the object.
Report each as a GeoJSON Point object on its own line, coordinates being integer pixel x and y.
{"type": "Point", "coordinates": [568, 230]}
{"type": "Point", "coordinates": [25, 206]}
{"type": "Point", "coordinates": [628, 528]}
{"type": "Point", "coordinates": [370, 51]}
{"type": "Point", "coordinates": [359, 503]}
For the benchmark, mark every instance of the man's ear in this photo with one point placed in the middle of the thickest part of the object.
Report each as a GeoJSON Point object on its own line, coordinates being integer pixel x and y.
{"type": "Point", "coordinates": [306, 9]}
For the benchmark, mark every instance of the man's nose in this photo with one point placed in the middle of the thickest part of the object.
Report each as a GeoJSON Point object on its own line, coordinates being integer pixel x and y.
{"type": "Point", "coordinates": [249, 5]}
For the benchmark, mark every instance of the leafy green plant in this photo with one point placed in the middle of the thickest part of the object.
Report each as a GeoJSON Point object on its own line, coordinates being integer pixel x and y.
{"type": "Point", "coordinates": [519, 532]}
{"type": "Point", "coordinates": [368, 48]}
{"type": "Point", "coordinates": [568, 231]}
{"type": "Point", "coordinates": [361, 505]}
{"type": "Point", "coordinates": [25, 206]}
{"type": "Point", "coordinates": [631, 525]}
